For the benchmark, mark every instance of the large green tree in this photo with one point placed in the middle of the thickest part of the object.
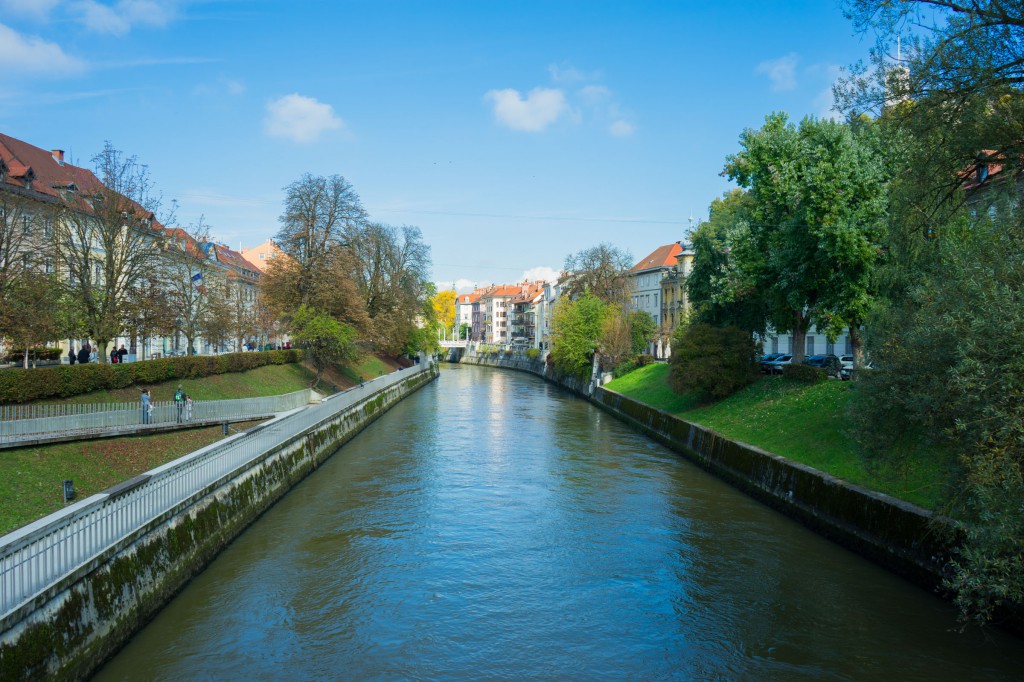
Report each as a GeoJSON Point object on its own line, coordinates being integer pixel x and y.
{"type": "Point", "coordinates": [816, 204]}
{"type": "Point", "coordinates": [576, 327]}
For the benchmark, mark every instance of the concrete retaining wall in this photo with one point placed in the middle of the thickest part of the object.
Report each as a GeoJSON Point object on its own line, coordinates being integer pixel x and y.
{"type": "Point", "coordinates": [81, 621]}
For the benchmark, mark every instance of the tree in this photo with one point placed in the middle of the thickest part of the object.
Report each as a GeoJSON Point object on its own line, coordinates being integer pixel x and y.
{"type": "Point", "coordinates": [576, 326]}
{"type": "Point", "coordinates": [716, 361]}
{"type": "Point", "coordinates": [616, 341]}
{"type": "Point", "coordinates": [444, 308]}
{"type": "Point", "coordinates": [599, 271]}
{"type": "Point", "coordinates": [34, 311]}
{"type": "Point", "coordinates": [324, 339]}
{"type": "Point", "coordinates": [390, 267]}
{"type": "Point", "coordinates": [817, 203]}
{"type": "Point", "coordinates": [642, 329]}
{"type": "Point", "coordinates": [148, 312]}
{"type": "Point", "coordinates": [108, 241]}
{"type": "Point", "coordinates": [319, 214]}
{"type": "Point", "coordinates": [194, 285]}
{"type": "Point", "coordinates": [26, 238]}
{"type": "Point", "coordinates": [721, 288]}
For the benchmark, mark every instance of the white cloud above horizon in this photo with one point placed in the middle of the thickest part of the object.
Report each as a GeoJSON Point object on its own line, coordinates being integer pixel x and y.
{"type": "Point", "coordinates": [36, 10]}
{"type": "Point", "coordinates": [621, 128]}
{"type": "Point", "coordinates": [34, 55]}
{"type": "Point", "coordinates": [540, 108]}
{"type": "Point", "coordinates": [781, 72]}
{"type": "Point", "coordinates": [541, 272]}
{"type": "Point", "coordinates": [298, 118]}
{"type": "Point", "coordinates": [120, 18]}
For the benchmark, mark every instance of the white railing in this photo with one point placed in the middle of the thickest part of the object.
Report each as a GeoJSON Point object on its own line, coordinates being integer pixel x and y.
{"type": "Point", "coordinates": [20, 421]}
{"type": "Point", "coordinates": [36, 556]}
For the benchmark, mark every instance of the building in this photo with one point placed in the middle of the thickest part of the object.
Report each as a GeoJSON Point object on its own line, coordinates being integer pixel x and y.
{"type": "Point", "coordinates": [464, 309]}
{"type": "Point", "coordinates": [495, 309]}
{"type": "Point", "coordinates": [674, 303]}
{"type": "Point", "coordinates": [645, 280]}
{"type": "Point", "coordinates": [551, 293]}
{"type": "Point", "coordinates": [262, 254]}
{"type": "Point", "coordinates": [524, 312]}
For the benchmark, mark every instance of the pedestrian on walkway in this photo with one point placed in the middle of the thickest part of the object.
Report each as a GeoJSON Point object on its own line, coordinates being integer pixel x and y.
{"type": "Point", "coordinates": [114, 357]}
{"type": "Point", "coordinates": [147, 406]}
{"type": "Point", "coordinates": [72, 356]}
{"type": "Point", "coordinates": [188, 407]}
{"type": "Point", "coordinates": [179, 402]}
{"type": "Point", "coordinates": [121, 352]}
{"type": "Point", "coordinates": [83, 354]}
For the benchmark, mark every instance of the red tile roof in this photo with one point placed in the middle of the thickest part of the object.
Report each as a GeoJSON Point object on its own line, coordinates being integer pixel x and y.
{"type": "Point", "coordinates": [235, 260]}
{"type": "Point", "coordinates": [661, 257]}
{"type": "Point", "coordinates": [40, 172]}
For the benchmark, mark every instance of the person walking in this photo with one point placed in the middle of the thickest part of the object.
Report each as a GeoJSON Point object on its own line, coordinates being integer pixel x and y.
{"type": "Point", "coordinates": [72, 356]}
{"type": "Point", "coordinates": [188, 407]}
{"type": "Point", "coordinates": [179, 402]}
{"type": "Point", "coordinates": [114, 357]}
{"type": "Point", "coordinates": [121, 352]}
{"type": "Point", "coordinates": [83, 354]}
{"type": "Point", "coordinates": [147, 406]}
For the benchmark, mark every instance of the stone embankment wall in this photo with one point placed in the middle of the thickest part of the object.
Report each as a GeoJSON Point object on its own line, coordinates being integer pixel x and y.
{"type": "Point", "coordinates": [90, 614]}
{"type": "Point", "coordinates": [906, 539]}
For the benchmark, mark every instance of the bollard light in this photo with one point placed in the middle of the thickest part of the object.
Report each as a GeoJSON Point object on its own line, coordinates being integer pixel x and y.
{"type": "Point", "coordinates": [225, 427]}
{"type": "Point", "coordinates": [69, 490]}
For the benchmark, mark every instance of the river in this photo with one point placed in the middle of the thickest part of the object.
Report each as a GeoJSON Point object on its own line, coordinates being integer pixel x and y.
{"type": "Point", "coordinates": [493, 527]}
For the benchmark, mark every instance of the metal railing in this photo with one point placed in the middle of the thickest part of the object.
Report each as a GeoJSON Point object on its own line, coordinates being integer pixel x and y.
{"type": "Point", "coordinates": [36, 556]}
{"type": "Point", "coordinates": [20, 421]}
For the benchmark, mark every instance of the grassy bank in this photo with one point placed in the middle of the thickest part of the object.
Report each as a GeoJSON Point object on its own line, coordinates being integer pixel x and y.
{"type": "Point", "coordinates": [807, 423]}
{"type": "Point", "coordinates": [30, 478]}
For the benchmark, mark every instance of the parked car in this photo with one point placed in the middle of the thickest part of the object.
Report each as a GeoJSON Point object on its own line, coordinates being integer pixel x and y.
{"type": "Point", "coordinates": [846, 373]}
{"type": "Point", "coordinates": [775, 366]}
{"type": "Point", "coordinates": [829, 363]}
{"type": "Point", "coordinates": [767, 358]}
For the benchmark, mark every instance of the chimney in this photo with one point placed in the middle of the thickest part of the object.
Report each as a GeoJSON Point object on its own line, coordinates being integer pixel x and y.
{"type": "Point", "coordinates": [58, 156]}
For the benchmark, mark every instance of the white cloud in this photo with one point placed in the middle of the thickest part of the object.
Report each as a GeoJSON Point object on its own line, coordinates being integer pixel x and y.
{"type": "Point", "coordinates": [20, 53]}
{"type": "Point", "coordinates": [542, 272]}
{"type": "Point", "coordinates": [781, 72]}
{"type": "Point", "coordinates": [298, 118]}
{"type": "Point", "coordinates": [119, 19]}
{"type": "Point", "coordinates": [825, 101]}
{"type": "Point", "coordinates": [37, 10]}
{"type": "Point", "coordinates": [621, 128]}
{"type": "Point", "coordinates": [541, 108]}
{"type": "Point", "coordinates": [594, 94]}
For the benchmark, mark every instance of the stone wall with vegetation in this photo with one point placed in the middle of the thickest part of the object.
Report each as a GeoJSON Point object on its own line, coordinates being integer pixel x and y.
{"type": "Point", "coordinates": [66, 633]}
{"type": "Point", "coordinates": [895, 534]}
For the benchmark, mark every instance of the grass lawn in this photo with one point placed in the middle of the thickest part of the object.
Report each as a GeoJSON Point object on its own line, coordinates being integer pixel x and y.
{"type": "Point", "coordinates": [807, 423]}
{"type": "Point", "coordinates": [30, 478]}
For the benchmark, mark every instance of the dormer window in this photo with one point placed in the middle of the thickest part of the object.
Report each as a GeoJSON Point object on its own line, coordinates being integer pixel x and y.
{"type": "Point", "coordinates": [982, 173]}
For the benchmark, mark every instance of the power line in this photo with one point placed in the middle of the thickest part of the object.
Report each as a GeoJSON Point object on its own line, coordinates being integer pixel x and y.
{"type": "Point", "coordinates": [527, 217]}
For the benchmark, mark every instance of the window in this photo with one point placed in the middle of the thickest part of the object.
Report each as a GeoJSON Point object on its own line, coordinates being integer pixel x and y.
{"type": "Point", "coordinates": [49, 266]}
{"type": "Point", "coordinates": [830, 347]}
{"type": "Point", "coordinates": [263, 256]}
{"type": "Point", "coordinates": [810, 345]}
{"type": "Point", "coordinates": [775, 344]}
{"type": "Point", "coordinates": [849, 346]}
{"type": "Point", "coordinates": [47, 228]}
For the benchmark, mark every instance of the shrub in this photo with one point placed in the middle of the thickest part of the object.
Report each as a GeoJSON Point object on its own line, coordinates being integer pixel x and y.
{"type": "Point", "coordinates": [717, 361]}
{"type": "Point", "coordinates": [643, 359]}
{"type": "Point", "coordinates": [26, 385]}
{"type": "Point", "coordinates": [533, 353]}
{"type": "Point", "coordinates": [17, 355]}
{"type": "Point", "coordinates": [805, 373]}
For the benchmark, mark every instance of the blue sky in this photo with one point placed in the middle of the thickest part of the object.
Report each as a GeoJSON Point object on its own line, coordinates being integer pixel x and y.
{"type": "Point", "coordinates": [511, 133]}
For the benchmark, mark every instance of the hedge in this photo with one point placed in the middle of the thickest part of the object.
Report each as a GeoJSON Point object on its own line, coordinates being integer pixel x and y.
{"type": "Point", "coordinates": [804, 373]}
{"type": "Point", "coordinates": [27, 385]}
{"type": "Point", "coordinates": [17, 355]}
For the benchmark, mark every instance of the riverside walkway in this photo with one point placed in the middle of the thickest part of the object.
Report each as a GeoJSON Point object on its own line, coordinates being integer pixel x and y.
{"type": "Point", "coordinates": [22, 425]}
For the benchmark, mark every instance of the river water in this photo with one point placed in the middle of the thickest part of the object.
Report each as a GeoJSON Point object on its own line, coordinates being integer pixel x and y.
{"type": "Point", "coordinates": [492, 527]}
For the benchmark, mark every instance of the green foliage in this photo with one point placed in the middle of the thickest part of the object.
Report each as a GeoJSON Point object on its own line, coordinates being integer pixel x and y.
{"type": "Point", "coordinates": [576, 326]}
{"type": "Point", "coordinates": [715, 361]}
{"type": "Point", "coordinates": [22, 386]}
{"type": "Point", "coordinates": [805, 373]}
{"type": "Point", "coordinates": [532, 353]}
{"type": "Point", "coordinates": [642, 329]}
{"type": "Point", "coordinates": [324, 339]}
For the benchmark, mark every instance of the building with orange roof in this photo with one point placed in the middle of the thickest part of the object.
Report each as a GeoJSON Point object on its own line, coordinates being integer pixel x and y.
{"type": "Point", "coordinates": [262, 254]}
{"type": "Point", "coordinates": [464, 309]}
{"type": "Point", "coordinates": [495, 310]}
{"type": "Point", "coordinates": [524, 313]}
{"type": "Point", "coordinates": [645, 280]}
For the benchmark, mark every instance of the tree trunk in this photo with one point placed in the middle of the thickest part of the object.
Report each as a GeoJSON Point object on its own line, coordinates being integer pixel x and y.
{"type": "Point", "coordinates": [101, 351]}
{"type": "Point", "coordinates": [799, 337]}
{"type": "Point", "coordinates": [857, 345]}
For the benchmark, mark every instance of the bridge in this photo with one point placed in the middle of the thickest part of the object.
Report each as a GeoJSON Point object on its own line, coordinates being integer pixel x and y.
{"type": "Point", "coordinates": [453, 344]}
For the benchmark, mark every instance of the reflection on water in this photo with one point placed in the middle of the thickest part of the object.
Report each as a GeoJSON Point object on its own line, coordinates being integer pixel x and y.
{"type": "Point", "coordinates": [493, 527]}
